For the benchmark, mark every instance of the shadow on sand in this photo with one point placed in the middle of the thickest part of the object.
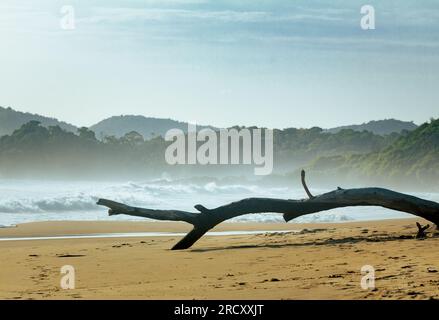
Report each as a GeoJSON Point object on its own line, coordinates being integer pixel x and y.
{"type": "Point", "coordinates": [329, 241]}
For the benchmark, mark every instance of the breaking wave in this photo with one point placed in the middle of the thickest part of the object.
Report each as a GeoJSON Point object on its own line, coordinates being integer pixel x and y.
{"type": "Point", "coordinates": [57, 204]}
{"type": "Point", "coordinates": [24, 201]}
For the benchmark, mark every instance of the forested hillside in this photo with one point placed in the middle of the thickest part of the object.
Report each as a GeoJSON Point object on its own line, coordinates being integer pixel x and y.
{"type": "Point", "coordinates": [11, 120]}
{"type": "Point", "coordinates": [411, 158]}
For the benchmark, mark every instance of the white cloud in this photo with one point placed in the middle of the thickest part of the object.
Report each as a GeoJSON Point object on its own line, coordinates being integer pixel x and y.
{"type": "Point", "coordinates": [133, 14]}
{"type": "Point", "coordinates": [348, 42]}
{"type": "Point", "coordinates": [120, 15]}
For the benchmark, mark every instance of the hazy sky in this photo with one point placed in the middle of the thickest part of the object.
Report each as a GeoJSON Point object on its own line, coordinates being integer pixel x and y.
{"type": "Point", "coordinates": [273, 63]}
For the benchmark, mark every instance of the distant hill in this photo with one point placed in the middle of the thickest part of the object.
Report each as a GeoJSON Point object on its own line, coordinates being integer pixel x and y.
{"type": "Point", "coordinates": [148, 127]}
{"type": "Point", "coordinates": [381, 127]}
{"type": "Point", "coordinates": [11, 120]}
{"type": "Point", "coordinates": [413, 158]}
{"type": "Point", "coordinates": [409, 158]}
{"type": "Point", "coordinates": [415, 154]}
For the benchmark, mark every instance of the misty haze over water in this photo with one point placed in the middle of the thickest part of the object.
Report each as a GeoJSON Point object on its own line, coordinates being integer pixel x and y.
{"type": "Point", "coordinates": [30, 200]}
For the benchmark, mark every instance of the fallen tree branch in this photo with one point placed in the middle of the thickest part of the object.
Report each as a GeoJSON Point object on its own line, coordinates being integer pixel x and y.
{"type": "Point", "coordinates": [206, 219]}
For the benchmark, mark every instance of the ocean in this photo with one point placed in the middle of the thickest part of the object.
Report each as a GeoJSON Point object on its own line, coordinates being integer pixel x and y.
{"type": "Point", "coordinates": [28, 201]}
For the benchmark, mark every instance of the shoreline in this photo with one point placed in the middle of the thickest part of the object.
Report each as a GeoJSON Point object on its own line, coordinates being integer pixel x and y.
{"type": "Point", "coordinates": [80, 227]}
{"type": "Point", "coordinates": [146, 235]}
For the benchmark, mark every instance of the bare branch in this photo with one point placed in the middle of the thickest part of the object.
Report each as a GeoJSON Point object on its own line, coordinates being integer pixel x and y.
{"type": "Point", "coordinates": [206, 219]}
{"type": "Point", "coordinates": [304, 185]}
{"type": "Point", "coordinates": [421, 231]}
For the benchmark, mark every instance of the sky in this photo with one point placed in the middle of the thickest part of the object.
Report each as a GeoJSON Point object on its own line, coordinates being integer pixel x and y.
{"type": "Point", "coordinates": [296, 63]}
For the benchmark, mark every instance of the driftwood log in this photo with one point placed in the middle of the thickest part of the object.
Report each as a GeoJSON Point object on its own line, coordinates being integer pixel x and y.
{"type": "Point", "coordinates": [206, 219]}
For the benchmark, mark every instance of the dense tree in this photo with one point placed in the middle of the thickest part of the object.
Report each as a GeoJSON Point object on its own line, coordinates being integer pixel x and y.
{"type": "Point", "coordinates": [36, 150]}
{"type": "Point", "coordinates": [412, 157]}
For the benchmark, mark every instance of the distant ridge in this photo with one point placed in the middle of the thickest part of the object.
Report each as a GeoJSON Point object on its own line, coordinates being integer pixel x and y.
{"type": "Point", "coordinates": [412, 157]}
{"type": "Point", "coordinates": [381, 127]}
{"type": "Point", "coordinates": [148, 127]}
{"type": "Point", "coordinates": [11, 120]}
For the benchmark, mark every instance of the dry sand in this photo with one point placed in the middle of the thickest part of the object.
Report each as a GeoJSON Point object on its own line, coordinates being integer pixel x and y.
{"type": "Point", "coordinates": [322, 263]}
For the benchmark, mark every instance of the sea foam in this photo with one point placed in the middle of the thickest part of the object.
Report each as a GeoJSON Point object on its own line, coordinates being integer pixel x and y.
{"type": "Point", "coordinates": [24, 201]}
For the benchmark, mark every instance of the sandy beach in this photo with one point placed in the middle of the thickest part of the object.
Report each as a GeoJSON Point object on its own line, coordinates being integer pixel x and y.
{"type": "Point", "coordinates": [323, 261]}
